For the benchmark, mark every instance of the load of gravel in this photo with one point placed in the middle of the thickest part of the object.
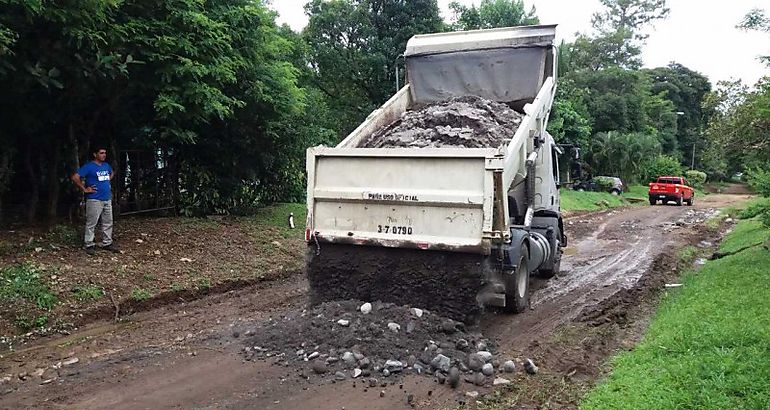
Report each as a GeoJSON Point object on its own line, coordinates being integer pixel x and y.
{"type": "Point", "coordinates": [352, 339]}
{"type": "Point", "coordinates": [469, 122]}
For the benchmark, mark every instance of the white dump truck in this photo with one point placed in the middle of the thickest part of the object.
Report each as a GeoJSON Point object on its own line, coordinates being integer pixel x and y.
{"type": "Point", "coordinates": [451, 229]}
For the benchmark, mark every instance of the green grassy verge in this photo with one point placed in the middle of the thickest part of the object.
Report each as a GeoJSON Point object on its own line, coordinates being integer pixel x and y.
{"type": "Point", "coordinates": [709, 344]}
{"type": "Point", "coordinates": [589, 201]}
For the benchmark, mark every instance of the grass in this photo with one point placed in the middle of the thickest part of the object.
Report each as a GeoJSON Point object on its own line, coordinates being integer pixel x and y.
{"type": "Point", "coordinates": [708, 346]}
{"type": "Point", "coordinates": [88, 293]}
{"type": "Point", "coordinates": [24, 282]}
{"type": "Point", "coordinates": [572, 200]}
{"type": "Point", "coordinates": [277, 216]}
{"type": "Point", "coordinates": [140, 294]}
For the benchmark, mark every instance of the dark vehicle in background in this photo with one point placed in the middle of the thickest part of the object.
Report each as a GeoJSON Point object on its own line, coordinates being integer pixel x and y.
{"type": "Point", "coordinates": [666, 189]}
{"type": "Point", "coordinates": [612, 185]}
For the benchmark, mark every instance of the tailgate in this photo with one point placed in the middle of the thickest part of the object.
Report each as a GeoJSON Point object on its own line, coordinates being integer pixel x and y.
{"type": "Point", "coordinates": [409, 198]}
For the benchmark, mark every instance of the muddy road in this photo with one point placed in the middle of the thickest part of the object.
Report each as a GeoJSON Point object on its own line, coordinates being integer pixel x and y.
{"type": "Point", "coordinates": [190, 354]}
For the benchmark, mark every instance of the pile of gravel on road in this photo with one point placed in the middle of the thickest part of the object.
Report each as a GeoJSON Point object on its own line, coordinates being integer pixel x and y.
{"type": "Point", "coordinates": [353, 339]}
{"type": "Point", "coordinates": [470, 122]}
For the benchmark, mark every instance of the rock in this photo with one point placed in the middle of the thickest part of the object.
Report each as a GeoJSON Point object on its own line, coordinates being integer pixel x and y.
{"type": "Point", "coordinates": [448, 326]}
{"type": "Point", "coordinates": [441, 362]}
{"type": "Point", "coordinates": [499, 381]}
{"type": "Point", "coordinates": [530, 367]}
{"type": "Point", "coordinates": [463, 367]}
{"type": "Point", "coordinates": [313, 355]}
{"type": "Point", "coordinates": [394, 327]}
{"type": "Point", "coordinates": [38, 372]}
{"type": "Point", "coordinates": [729, 220]}
{"type": "Point", "coordinates": [475, 362]}
{"type": "Point", "coordinates": [416, 312]}
{"type": "Point", "coordinates": [432, 347]}
{"type": "Point", "coordinates": [394, 366]}
{"type": "Point", "coordinates": [340, 376]}
{"type": "Point", "coordinates": [366, 308]}
{"type": "Point", "coordinates": [300, 352]}
{"type": "Point", "coordinates": [411, 360]}
{"type": "Point", "coordinates": [5, 380]}
{"type": "Point", "coordinates": [472, 394]}
{"type": "Point", "coordinates": [485, 355]}
{"type": "Point", "coordinates": [359, 356]}
{"type": "Point", "coordinates": [479, 379]}
{"type": "Point", "coordinates": [509, 366]}
{"type": "Point", "coordinates": [373, 382]}
{"type": "Point", "coordinates": [462, 345]}
{"type": "Point", "coordinates": [319, 367]}
{"type": "Point", "coordinates": [349, 359]}
{"type": "Point", "coordinates": [410, 399]}
{"type": "Point", "coordinates": [364, 363]}
{"type": "Point", "coordinates": [343, 322]}
{"type": "Point", "coordinates": [410, 327]}
{"type": "Point", "coordinates": [487, 369]}
{"type": "Point", "coordinates": [418, 368]}
{"type": "Point", "coordinates": [385, 372]}
{"type": "Point", "coordinates": [70, 361]}
{"type": "Point", "coordinates": [454, 377]}
{"type": "Point", "coordinates": [440, 377]}
{"type": "Point", "coordinates": [382, 393]}
{"type": "Point", "coordinates": [357, 372]}
{"type": "Point", "coordinates": [481, 346]}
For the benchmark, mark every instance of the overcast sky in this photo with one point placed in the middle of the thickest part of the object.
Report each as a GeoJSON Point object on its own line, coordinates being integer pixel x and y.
{"type": "Point", "coordinates": [698, 34]}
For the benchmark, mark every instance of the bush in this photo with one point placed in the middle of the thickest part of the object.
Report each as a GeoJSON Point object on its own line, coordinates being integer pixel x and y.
{"type": "Point", "coordinates": [605, 183]}
{"type": "Point", "coordinates": [662, 165]}
{"type": "Point", "coordinates": [696, 178]}
{"type": "Point", "coordinates": [759, 181]}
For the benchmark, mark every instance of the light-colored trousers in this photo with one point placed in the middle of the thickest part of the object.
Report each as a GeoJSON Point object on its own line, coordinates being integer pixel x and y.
{"type": "Point", "coordinates": [96, 209]}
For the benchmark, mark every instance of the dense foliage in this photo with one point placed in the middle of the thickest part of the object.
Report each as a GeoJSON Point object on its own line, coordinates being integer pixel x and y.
{"type": "Point", "coordinates": [208, 105]}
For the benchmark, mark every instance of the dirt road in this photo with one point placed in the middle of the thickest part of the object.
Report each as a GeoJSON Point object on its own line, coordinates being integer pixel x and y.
{"type": "Point", "coordinates": [188, 355]}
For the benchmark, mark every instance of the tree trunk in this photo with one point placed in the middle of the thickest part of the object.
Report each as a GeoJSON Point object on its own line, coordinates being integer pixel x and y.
{"type": "Point", "coordinates": [33, 183]}
{"type": "Point", "coordinates": [53, 181]}
{"type": "Point", "coordinates": [5, 176]}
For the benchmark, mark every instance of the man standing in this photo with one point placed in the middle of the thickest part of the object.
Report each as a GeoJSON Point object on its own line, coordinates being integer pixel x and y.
{"type": "Point", "coordinates": [97, 175]}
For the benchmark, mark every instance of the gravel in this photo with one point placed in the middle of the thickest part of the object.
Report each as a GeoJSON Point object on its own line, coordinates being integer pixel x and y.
{"type": "Point", "coordinates": [470, 122]}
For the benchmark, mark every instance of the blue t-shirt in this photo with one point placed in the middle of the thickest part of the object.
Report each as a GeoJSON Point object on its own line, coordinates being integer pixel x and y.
{"type": "Point", "coordinates": [97, 176]}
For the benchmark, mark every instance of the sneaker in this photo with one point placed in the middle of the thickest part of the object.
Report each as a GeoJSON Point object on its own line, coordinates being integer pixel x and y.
{"type": "Point", "coordinates": [111, 248]}
{"type": "Point", "coordinates": [91, 250]}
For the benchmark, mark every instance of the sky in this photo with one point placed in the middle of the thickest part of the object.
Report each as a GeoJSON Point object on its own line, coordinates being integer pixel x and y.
{"type": "Point", "coordinates": [699, 34]}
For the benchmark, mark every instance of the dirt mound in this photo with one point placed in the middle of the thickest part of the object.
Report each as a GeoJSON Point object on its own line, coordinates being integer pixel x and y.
{"type": "Point", "coordinates": [470, 122]}
{"type": "Point", "coordinates": [338, 339]}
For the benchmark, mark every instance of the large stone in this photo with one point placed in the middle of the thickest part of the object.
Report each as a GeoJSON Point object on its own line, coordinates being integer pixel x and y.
{"type": "Point", "coordinates": [462, 345]}
{"type": "Point", "coordinates": [440, 377]}
{"type": "Point", "coordinates": [487, 369]}
{"type": "Point", "coordinates": [509, 366]}
{"type": "Point", "coordinates": [416, 312]}
{"type": "Point", "coordinates": [475, 362]}
{"type": "Point", "coordinates": [441, 362]}
{"type": "Point", "coordinates": [319, 367]}
{"type": "Point", "coordinates": [485, 355]}
{"type": "Point", "coordinates": [349, 359]}
{"type": "Point", "coordinates": [454, 377]}
{"type": "Point", "coordinates": [530, 367]}
{"type": "Point", "coordinates": [343, 322]}
{"type": "Point", "coordinates": [366, 308]}
{"type": "Point", "coordinates": [394, 327]}
{"type": "Point", "coordinates": [394, 366]}
{"type": "Point", "coordinates": [499, 381]}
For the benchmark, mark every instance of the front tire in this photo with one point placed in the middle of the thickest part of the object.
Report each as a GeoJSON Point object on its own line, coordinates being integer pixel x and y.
{"type": "Point", "coordinates": [679, 201]}
{"type": "Point", "coordinates": [615, 192]}
{"type": "Point", "coordinates": [517, 284]}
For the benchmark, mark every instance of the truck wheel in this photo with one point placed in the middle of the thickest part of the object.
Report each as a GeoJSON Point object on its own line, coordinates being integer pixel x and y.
{"type": "Point", "coordinates": [679, 201]}
{"type": "Point", "coordinates": [691, 200]}
{"type": "Point", "coordinates": [517, 285]}
{"type": "Point", "coordinates": [653, 201]}
{"type": "Point", "coordinates": [615, 192]}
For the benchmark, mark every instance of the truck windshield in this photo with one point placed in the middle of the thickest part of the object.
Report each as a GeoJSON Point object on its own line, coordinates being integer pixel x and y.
{"type": "Point", "coordinates": [669, 181]}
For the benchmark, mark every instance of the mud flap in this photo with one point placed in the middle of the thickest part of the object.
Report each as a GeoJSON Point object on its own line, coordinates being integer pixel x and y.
{"type": "Point", "coordinates": [442, 281]}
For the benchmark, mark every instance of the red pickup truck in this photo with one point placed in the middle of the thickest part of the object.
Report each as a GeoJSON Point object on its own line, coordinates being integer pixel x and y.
{"type": "Point", "coordinates": [671, 189]}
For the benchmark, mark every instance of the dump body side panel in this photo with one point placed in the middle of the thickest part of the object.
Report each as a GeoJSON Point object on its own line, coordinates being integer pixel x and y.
{"type": "Point", "coordinates": [411, 198]}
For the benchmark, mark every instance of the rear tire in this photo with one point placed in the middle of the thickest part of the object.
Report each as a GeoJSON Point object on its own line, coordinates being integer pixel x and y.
{"type": "Point", "coordinates": [691, 200]}
{"type": "Point", "coordinates": [679, 201]}
{"type": "Point", "coordinates": [517, 285]}
{"type": "Point", "coordinates": [653, 201]}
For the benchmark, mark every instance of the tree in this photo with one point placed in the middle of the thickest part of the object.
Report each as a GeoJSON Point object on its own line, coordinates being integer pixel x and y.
{"type": "Point", "coordinates": [492, 14]}
{"type": "Point", "coordinates": [757, 20]}
{"type": "Point", "coordinates": [686, 90]}
{"type": "Point", "coordinates": [618, 33]}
